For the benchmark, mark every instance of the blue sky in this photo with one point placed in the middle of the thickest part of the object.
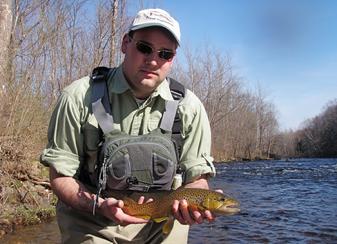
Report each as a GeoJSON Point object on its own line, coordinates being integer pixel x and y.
{"type": "Point", "coordinates": [287, 47]}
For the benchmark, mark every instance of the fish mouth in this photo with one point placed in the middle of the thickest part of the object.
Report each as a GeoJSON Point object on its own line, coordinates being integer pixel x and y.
{"type": "Point", "coordinates": [228, 209]}
{"type": "Point", "coordinates": [232, 209]}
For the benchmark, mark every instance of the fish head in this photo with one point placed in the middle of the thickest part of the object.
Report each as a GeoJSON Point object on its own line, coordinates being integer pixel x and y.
{"type": "Point", "coordinates": [221, 204]}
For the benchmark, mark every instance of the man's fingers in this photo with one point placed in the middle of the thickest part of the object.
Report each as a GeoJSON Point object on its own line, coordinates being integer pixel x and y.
{"type": "Point", "coordinates": [114, 211]}
{"type": "Point", "coordinates": [185, 213]}
{"type": "Point", "coordinates": [176, 212]}
{"type": "Point", "coordinates": [124, 219]}
{"type": "Point", "coordinates": [114, 202]}
{"type": "Point", "coordinates": [197, 215]}
{"type": "Point", "coordinates": [149, 200]}
{"type": "Point", "coordinates": [127, 219]}
{"type": "Point", "coordinates": [141, 200]}
{"type": "Point", "coordinates": [209, 216]}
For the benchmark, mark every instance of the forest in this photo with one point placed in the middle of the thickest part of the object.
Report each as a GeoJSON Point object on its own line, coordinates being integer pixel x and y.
{"type": "Point", "coordinates": [45, 45]}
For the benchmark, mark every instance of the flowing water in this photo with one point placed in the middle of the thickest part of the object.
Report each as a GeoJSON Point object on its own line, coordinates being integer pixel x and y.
{"type": "Point", "coordinates": [281, 202]}
{"type": "Point", "coordinates": [291, 201]}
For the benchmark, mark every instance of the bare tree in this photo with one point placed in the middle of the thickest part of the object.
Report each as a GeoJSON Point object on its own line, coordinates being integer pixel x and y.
{"type": "Point", "coordinates": [5, 30]}
{"type": "Point", "coordinates": [51, 43]}
{"type": "Point", "coordinates": [5, 72]}
{"type": "Point", "coordinates": [243, 124]}
{"type": "Point", "coordinates": [44, 46]}
{"type": "Point", "coordinates": [114, 6]}
{"type": "Point", "coordinates": [318, 135]}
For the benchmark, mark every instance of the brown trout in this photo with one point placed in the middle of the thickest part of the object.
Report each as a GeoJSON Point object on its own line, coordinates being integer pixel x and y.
{"type": "Point", "coordinates": [160, 208]}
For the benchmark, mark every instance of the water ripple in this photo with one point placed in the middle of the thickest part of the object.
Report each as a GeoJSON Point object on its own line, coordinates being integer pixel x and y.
{"type": "Point", "coordinates": [282, 202]}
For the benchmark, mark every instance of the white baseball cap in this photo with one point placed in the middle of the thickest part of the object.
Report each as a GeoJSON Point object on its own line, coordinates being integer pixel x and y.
{"type": "Point", "coordinates": [156, 17]}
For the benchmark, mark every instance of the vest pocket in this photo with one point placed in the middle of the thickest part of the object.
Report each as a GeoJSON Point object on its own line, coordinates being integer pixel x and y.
{"type": "Point", "coordinates": [163, 171]}
{"type": "Point", "coordinates": [91, 142]}
{"type": "Point", "coordinates": [119, 170]}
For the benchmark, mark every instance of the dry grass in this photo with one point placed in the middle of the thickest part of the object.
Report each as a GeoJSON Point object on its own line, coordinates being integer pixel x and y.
{"type": "Point", "coordinates": [25, 195]}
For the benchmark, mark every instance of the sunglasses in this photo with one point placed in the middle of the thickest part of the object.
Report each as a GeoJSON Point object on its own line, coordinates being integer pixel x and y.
{"type": "Point", "coordinates": [146, 49]}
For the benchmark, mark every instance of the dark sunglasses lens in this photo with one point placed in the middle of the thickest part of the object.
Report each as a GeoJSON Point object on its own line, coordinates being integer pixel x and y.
{"type": "Point", "coordinates": [143, 48]}
{"type": "Point", "coordinates": [167, 55]}
{"type": "Point", "coordinates": [147, 50]}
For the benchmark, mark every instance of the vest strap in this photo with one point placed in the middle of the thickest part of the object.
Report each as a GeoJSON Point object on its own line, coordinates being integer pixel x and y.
{"type": "Point", "coordinates": [100, 98]}
{"type": "Point", "coordinates": [169, 115]}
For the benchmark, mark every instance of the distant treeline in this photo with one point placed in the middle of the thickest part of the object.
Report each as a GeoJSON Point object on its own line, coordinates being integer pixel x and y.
{"type": "Point", "coordinates": [47, 44]}
{"type": "Point", "coordinates": [318, 137]}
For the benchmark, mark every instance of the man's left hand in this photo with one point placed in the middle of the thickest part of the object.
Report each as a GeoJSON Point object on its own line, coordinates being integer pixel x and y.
{"type": "Point", "coordinates": [189, 215]}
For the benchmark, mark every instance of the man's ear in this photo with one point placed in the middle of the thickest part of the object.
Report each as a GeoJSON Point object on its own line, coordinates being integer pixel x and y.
{"type": "Point", "coordinates": [125, 41]}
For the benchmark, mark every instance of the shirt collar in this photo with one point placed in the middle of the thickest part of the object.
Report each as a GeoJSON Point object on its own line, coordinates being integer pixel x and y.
{"type": "Point", "coordinates": [163, 90]}
{"type": "Point", "coordinates": [118, 84]}
{"type": "Point", "coordinates": [117, 81]}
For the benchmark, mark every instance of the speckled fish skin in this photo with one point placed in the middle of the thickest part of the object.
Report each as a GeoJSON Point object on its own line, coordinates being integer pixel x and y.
{"type": "Point", "coordinates": [161, 206]}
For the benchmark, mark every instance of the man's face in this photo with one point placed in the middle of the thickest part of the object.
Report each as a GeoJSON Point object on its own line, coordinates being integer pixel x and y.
{"type": "Point", "coordinates": [145, 71]}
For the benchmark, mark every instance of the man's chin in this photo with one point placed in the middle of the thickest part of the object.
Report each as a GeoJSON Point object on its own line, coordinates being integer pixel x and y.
{"type": "Point", "coordinates": [149, 83]}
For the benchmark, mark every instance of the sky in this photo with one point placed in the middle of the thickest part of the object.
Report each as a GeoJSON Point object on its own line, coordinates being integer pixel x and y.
{"type": "Point", "coordinates": [288, 48]}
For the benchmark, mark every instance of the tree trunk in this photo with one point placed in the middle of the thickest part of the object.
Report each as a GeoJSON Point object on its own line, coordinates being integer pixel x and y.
{"type": "Point", "coordinates": [113, 33]}
{"type": "Point", "coordinates": [5, 33]}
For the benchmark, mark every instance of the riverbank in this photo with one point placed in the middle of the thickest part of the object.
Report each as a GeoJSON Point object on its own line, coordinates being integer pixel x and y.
{"type": "Point", "coordinates": [25, 196]}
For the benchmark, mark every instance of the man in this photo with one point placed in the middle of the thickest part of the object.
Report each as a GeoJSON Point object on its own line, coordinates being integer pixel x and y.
{"type": "Point", "coordinates": [137, 89]}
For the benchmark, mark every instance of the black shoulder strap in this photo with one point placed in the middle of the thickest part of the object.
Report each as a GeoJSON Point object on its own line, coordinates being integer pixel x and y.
{"type": "Point", "coordinates": [100, 98]}
{"type": "Point", "coordinates": [178, 92]}
{"type": "Point", "coordinates": [177, 89]}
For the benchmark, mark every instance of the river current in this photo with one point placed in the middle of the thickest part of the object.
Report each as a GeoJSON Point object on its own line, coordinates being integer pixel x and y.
{"type": "Point", "coordinates": [284, 201]}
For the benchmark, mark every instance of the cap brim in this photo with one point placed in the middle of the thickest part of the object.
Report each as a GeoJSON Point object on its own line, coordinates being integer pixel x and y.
{"type": "Point", "coordinates": [145, 25]}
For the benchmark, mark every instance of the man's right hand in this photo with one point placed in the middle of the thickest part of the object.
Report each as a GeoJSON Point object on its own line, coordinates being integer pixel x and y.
{"type": "Point", "coordinates": [111, 208]}
{"type": "Point", "coordinates": [74, 194]}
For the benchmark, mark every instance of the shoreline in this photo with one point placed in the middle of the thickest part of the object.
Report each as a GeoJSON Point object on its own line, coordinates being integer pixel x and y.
{"type": "Point", "coordinates": [25, 196]}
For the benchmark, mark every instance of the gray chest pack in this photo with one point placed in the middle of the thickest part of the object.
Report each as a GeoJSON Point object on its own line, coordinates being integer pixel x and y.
{"type": "Point", "coordinates": [139, 163]}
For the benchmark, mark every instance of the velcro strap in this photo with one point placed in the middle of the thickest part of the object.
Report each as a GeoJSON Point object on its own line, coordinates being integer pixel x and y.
{"type": "Point", "coordinates": [169, 115]}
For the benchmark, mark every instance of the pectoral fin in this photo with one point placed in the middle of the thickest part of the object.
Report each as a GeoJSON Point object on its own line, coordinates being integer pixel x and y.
{"type": "Point", "coordinates": [168, 225]}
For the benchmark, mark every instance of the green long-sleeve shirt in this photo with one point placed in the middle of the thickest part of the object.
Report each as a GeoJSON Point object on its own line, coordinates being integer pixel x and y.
{"type": "Point", "coordinates": [73, 133]}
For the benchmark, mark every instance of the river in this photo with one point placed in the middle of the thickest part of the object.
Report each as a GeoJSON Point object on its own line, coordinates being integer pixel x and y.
{"type": "Point", "coordinates": [284, 201]}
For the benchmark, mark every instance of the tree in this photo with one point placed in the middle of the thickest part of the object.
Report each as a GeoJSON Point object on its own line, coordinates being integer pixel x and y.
{"type": "Point", "coordinates": [317, 138]}
{"type": "Point", "coordinates": [243, 124]}
{"type": "Point", "coordinates": [5, 34]}
{"type": "Point", "coordinates": [5, 72]}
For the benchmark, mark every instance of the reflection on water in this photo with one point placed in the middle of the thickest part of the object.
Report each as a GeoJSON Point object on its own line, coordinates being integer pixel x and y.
{"type": "Point", "coordinates": [42, 233]}
{"type": "Point", "coordinates": [281, 202]}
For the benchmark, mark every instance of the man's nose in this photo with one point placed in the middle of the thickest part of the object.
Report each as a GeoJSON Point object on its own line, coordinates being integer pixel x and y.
{"type": "Point", "coordinates": [152, 59]}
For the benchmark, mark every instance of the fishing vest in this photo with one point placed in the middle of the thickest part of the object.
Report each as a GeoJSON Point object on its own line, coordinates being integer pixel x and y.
{"type": "Point", "coordinates": [138, 163]}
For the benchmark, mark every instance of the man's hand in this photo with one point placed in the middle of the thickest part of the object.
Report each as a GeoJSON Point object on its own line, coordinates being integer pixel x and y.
{"type": "Point", "coordinates": [74, 194]}
{"type": "Point", "coordinates": [112, 209]}
{"type": "Point", "coordinates": [188, 215]}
